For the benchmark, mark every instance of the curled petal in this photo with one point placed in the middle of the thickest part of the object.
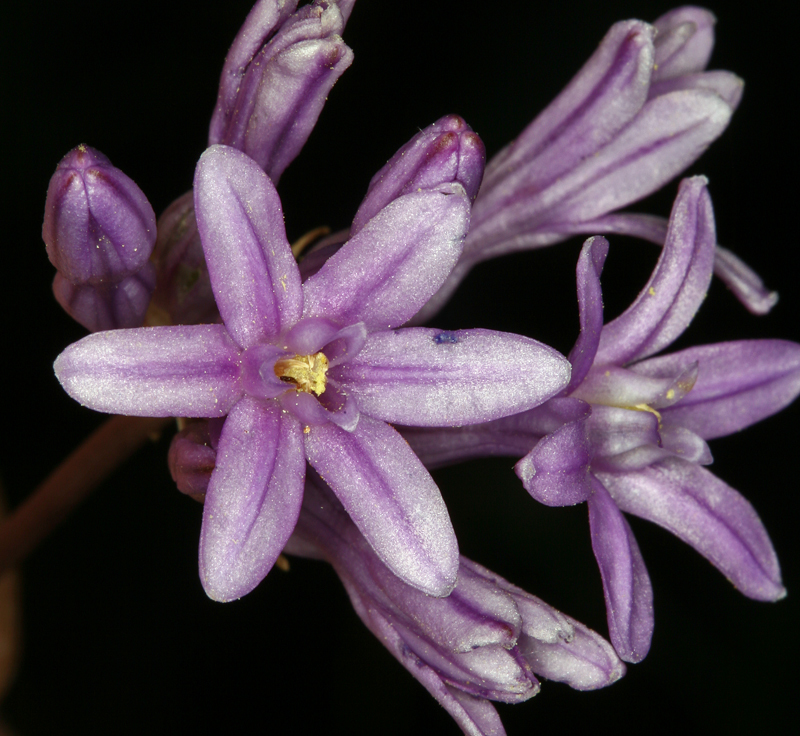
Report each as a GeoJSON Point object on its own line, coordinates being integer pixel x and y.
{"type": "Point", "coordinates": [626, 584]}
{"type": "Point", "coordinates": [253, 273]}
{"type": "Point", "coordinates": [425, 377]}
{"type": "Point", "coordinates": [253, 498]}
{"type": "Point", "coordinates": [590, 305]}
{"type": "Point", "coordinates": [556, 471]}
{"type": "Point", "coordinates": [154, 371]}
{"type": "Point", "coordinates": [391, 498]}
{"type": "Point", "coordinates": [706, 513]}
{"type": "Point", "coordinates": [744, 282]}
{"type": "Point", "coordinates": [677, 287]}
{"type": "Point", "coordinates": [738, 384]}
{"type": "Point", "coordinates": [386, 272]}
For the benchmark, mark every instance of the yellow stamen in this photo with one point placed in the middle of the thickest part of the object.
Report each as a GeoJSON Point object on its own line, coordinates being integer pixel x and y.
{"type": "Point", "coordinates": [307, 372]}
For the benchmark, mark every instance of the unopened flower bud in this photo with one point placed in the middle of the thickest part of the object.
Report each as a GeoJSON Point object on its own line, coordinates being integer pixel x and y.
{"type": "Point", "coordinates": [109, 306]}
{"type": "Point", "coordinates": [447, 151]}
{"type": "Point", "coordinates": [193, 455]}
{"type": "Point", "coordinates": [183, 293]}
{"type": "Point", "coordinates": [276, 78]}
{"type": "Point", "coordinates": [98, 226]}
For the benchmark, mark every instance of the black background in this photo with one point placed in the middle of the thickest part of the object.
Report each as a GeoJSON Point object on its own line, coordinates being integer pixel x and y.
{"type": "Point", "coordinates": [118, 634]}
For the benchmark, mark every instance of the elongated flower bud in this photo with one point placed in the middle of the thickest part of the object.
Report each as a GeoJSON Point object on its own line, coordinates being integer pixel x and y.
{"type": "Point", "coordinates": [276, 78]}
{"type": "Point", "coordinates": [483, 642]}
{"type": "Point", "coordinates": [447, 151]}
{"type": "Point", "coordinates": [183, 293]}
{"type": "Point", "coordinates": [98, 225]}
{"type": "Point", "coordinates": [99, 230]}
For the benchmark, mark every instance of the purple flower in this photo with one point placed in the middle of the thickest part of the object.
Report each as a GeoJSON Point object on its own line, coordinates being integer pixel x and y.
{"type": "Point", "coordinates": [485, 642]}
{"type": "Point", "coordinates": [639, 112]}
{"type": "Point", "coordinates": [629, 433]}
{"type": "Point", "coordinates": [99, 230]}
{"type": "Point", "coordinates": [316, 371]}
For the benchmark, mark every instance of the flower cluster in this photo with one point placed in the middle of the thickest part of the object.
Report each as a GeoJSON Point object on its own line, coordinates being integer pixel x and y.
{"type": "Point", "coordinates": [313, 405]}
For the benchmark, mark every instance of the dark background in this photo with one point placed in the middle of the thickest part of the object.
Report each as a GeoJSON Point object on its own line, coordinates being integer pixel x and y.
{"type": "Point", "coordinates": [119, 636]}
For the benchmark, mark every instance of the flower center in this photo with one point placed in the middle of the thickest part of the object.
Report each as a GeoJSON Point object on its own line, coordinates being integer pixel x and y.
{"type": "Point", "coordinates": [307, 372]}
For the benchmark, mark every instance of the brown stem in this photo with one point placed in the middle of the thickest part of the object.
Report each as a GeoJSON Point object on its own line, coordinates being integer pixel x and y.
{"type": "Point", "coordinates": [71, 482]}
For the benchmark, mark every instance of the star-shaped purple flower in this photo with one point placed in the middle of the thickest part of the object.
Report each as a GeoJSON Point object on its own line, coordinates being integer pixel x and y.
{"type": "Point", "coordinates": [629, 433]}
{"type": "Point", "coordinates": [315, 371]}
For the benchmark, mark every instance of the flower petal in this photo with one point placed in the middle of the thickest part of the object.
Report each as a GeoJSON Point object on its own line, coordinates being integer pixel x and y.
{"type": "Point", "coordinates": [684, 41]}
{"type": "Point", "coordinates": [386, 272]}
{"type": "Point", "coordinates": [179, 371]}
{"type": "Point", "coordinates": [590, 305]}
{"type": "Point", "coordinates": [511, 436]}
{"type": "Point", "coordinates": [556, 471]}
{"type": "Point", "coordinates": [392, 500]}
{"type": "Point", "coordinates": [626, 584]}
{"type": "Point", "coordinates": [601, 99]}
{"type": "Point", "coordinates": [677, 287]}
{"type": "Point", "coordinates": [744, 282]}
{"type": "Point", "coordinates": [253, 274]}
{"type": "Point", "coordinates": [707, 514]}
{"type": "Point", "coordinates": [738, 384]}
{"type": "Point", "coordinates": [425, 377]}
{"type": "Point", "coordinates": [253, 499]}
{"type": "Point", "coordinates": [584, 661]}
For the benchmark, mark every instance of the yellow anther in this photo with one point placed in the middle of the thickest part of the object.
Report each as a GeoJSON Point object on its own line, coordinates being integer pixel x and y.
{"type": "Point", "coordinates": [307, 372]}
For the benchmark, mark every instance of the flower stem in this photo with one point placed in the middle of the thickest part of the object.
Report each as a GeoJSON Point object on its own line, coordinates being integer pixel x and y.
{"type": "Point", "coordinates": [71, 482]}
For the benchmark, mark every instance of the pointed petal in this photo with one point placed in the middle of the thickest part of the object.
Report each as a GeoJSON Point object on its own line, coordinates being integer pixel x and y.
{"type": "Point", "coordinates": [707, 514]}
{"type": "Point", "coordinates": [180, 371]}
{"type": "Point", "coordinates": [590, 305]}
{"type": "Point", "coordinates": [626, 584]}
{"type": "Point", "coordinates": [738, 384]}
{"type": "Point", "coordinates": [385, 273]}
{"type": "Point", "coordinates": [425, 377]}
{"type": "Point", "coordinates": [253, 498]}
{"type": "Point", "coordinates": [672, 296]}
{"type": "Point", "coordinates": [392, 500]}
{"type": "Point", "coordinates": [253, 273]}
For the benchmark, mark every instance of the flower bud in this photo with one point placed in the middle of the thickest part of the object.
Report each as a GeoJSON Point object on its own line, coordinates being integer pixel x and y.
{"type": "Point", "coordinates": [193, 455]}
{"type": "Point", "coordinates": [481, 643]}
{"type": "Point", "coordinates": [98, 225]}
{"type": "Point", "coordinates": [183, 294]}
{"type": "Point", "coordinates": [276, 78]}
{"type": "Point", "coordinates": [447, 151]}
{"type": "Point", "coordinates": [109, 306]}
